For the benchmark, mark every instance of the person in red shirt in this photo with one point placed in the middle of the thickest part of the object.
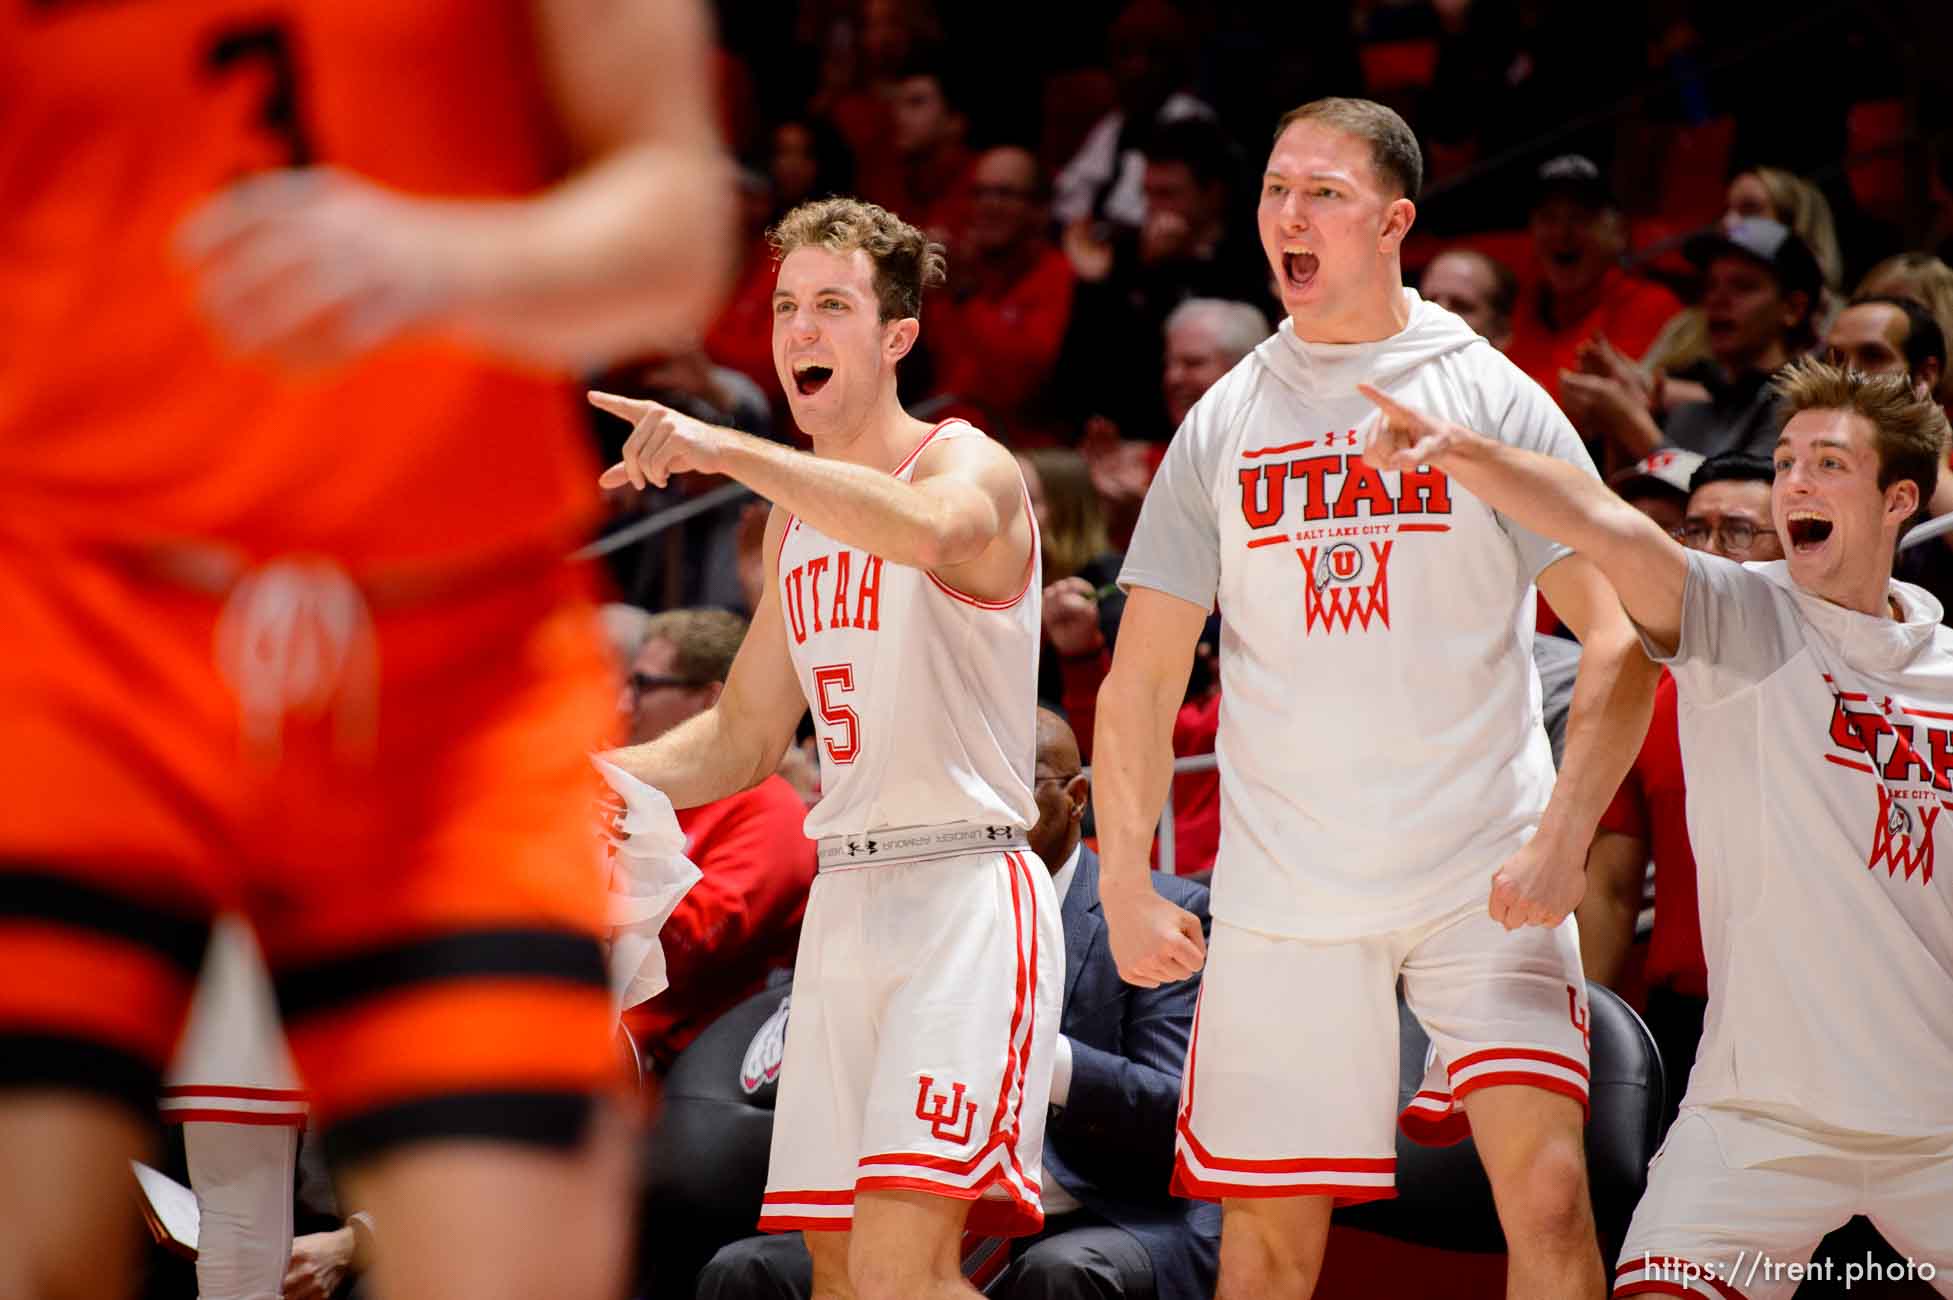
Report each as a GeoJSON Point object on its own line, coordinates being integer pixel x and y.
{"type": "Point", "coordinates": [925, 179]}
{"type": "Point", "coordinates": [1581, 292]}
{"type": "Point", "coordinates": [1728, 514]}
{"type": "Point", "coordinates": [994, 337]}
{"type": "Point", "coordinates": [742, 919]}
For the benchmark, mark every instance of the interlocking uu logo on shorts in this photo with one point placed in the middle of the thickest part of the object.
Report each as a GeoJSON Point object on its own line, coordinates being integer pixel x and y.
{"type": "Point", "coordinates": [1345, 565]}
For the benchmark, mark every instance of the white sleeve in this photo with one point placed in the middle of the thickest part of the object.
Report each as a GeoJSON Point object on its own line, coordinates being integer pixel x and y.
{"type": "Point", "coordinates": [1176, 546]}
{"type": "Point", "coordinates": [1737, 629]}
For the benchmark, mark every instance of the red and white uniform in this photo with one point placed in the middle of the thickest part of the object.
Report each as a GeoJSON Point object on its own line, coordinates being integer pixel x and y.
{"type": "Point", "coordinates": [1819, 747]}
{"type": "Point", "coordinates": [931, 963]}
{"type": "Point", "coordinates": [233, 1066]}
{"type": "Point", "coordinates": [1381, 752]}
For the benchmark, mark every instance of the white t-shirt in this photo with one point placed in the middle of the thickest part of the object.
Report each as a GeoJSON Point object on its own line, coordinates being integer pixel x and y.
{"type": "Point", "coordinates": [924, 699]}
{"type": "Point", "coordinates": [1818, 747]}
{"type": "Point", "coordinates": [1381, 749]}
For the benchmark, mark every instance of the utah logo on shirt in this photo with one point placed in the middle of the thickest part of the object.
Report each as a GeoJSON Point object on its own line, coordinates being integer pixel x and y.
{"type": "Point", "coordinates": [1882, 739]}
{"type": "Point", "coordinates": [1349, 524]}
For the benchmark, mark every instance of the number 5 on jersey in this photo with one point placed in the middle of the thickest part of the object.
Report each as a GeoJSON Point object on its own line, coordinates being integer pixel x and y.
{"type": "Point", "coordinates": [830, 681]}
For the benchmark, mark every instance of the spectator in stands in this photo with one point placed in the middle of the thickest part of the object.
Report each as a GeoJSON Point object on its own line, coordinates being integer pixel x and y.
{"type": "Point", "coordinates": [1582, 292]}
{"type": "Point", "coordinates": [1658, 485]}
{"type": "Point", "coordinates": [1762, 286]}
{"type": "Point", "coordinates": [1071, 521]}
{"type": "Point", "coordinates": [742, 918]}
{"type": "Point", "coordinates": [1887, 335]}
{"type": "Point", "coordinates": [625, 627]}
{"type": "Point", "coordinates": [1205, 338]}
{"type": "Point", "coordinates": [993, 336]}
{"type": "Point", "coordinates": [1773, 195]}
{"type": "Point", "coordinates": [1482, 290]}
{"type": "Point", "coordinates": [1897, 335]}
{"type": "Point", "coordinates": [1148, 51]}
{"type": "Point", "coordinates": [1187, 248]}
{"type": "Point", "coordinates": [1925, 280]}
{"type": "Point", "coordinates": [809, 160]}
{"type": "Point", "coordinates": [1728, 515]}
{"type": "Point", "coordinates": [927, 180]}
{"type": "Point", "coordinates": [1111, 1228]}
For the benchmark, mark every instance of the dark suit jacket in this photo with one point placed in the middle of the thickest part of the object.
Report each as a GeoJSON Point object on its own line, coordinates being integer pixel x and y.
{"type": "Point", "coordinates": [1111, 1143]}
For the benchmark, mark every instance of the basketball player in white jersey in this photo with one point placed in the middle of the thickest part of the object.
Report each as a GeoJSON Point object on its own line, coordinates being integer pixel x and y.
{"type": "Point", "coordinates": [1388, 797]}
{"type": "Point", "coordinates": [901, 606]}
{"type": "Point", "coordinates": [1817, 728]}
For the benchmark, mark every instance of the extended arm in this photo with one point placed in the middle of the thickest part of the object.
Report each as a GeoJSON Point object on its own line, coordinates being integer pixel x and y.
{"type": "Point", "coordinates": [628, 254]}
{"type": "Point", "coordinates": [737, 743]}
{"type": "Point", "coordinates": [964, 499]}
{"type": "Point", "coordinates": [1647, 568]}
{"type": "Point", "coordinates": [634, 251]}
{"type": "Point", "coordinates": [1152, 941]}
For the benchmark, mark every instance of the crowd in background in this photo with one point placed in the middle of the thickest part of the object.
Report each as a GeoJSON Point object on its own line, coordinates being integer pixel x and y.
{"type": "Point", "coordinates": [1649, 207]}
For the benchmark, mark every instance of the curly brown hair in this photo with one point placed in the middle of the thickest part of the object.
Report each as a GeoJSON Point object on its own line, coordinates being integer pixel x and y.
{"type": "Point", "coordinates": [1908, 431]}
{"type": "Point", "coordinates": [906, 260]}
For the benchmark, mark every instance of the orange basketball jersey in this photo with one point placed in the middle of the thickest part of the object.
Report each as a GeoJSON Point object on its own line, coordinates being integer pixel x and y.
{"type": "Point", "coordinates": [122, 417]}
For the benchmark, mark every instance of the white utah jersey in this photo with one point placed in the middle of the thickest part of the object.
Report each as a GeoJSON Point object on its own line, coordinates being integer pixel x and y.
{"type": "Point", "coordinates": [924, 698]}
{"type": "Point", "coordinates": [1381, 746]}
{"type": "Point", "coordinates": [1818, 743]}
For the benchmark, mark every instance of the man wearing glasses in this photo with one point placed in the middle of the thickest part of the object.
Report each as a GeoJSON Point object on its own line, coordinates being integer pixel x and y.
{"type": "Point", "coordinates": [1728, 514]}
{"type": "Point", "coordinates": [743, 916]}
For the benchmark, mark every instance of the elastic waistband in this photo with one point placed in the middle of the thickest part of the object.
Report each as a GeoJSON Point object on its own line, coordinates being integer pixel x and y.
{"type": "Point", "coordinates": [913, 843]}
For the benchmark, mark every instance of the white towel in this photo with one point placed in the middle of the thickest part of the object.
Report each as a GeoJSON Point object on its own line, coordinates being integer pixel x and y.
{"type": "Point", "coordinates": [649, 874]}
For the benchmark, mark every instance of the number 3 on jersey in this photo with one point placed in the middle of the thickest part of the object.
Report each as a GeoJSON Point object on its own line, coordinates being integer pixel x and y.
{"type": "Point", "coordinates": [830, 681]}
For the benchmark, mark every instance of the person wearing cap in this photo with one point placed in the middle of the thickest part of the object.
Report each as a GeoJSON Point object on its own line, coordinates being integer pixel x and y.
{"type": "Point", "coordinates": [1726, 512]}
{"type": "Point", "coordinates": [1658, 485]}
{"type": "Point", "coordinates": [1761, 286]}
{"type": "Point", "coordinates": [1581, 291]}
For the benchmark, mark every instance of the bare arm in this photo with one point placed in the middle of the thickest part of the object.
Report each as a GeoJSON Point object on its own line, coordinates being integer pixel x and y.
{"type": "Point", "coordinates": [1613, 698]}
{"type": "Point", "coordinates": [1647, 568]}
{"type": "Point", "coordinates": [963, 515]}
{"type": "Point", "coordinates": [634, 251]}
{"type": "Point", "coordinates": [1616, 867]}
{"type": "Point", "coordinates": [630, 253]}
{"type": "Point", "coordinates": [737, 743]}
{"type": "Point", "coordinates": [1132, 772]}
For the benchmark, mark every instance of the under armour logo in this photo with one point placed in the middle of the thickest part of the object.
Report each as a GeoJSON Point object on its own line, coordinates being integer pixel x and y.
{"type": "Point", "coordinates": [1349, 439]}
{"type": "Point", "coordinates": [855, 848]}
{"type": "Point", "coordinates": [996, 832]}
{"type": "Point", "coordinates": [942, 1112]}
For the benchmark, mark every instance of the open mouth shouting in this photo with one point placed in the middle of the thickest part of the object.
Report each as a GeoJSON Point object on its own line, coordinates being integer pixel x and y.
{"type": "Point", "coordinates": [1808, 530]}
{"type": "Point", "coordinates": [1298, 268]}
{"type": "Point", "coordinates": [810, 377]}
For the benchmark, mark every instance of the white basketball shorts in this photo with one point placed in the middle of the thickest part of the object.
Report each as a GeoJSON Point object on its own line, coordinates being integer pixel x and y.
{"type": "Point", "coordinates": [920, 1042]}
{"type": "Point", "coordinates": [232, 1065]}
{"type": "Point", "coordinates": [1291, 1080]}
{"type": "Point", "coordinates": [1736, 1203]}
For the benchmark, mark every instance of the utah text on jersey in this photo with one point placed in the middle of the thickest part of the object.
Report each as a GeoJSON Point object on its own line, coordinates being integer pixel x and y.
{"type": "Point", "coordinates": [1879, 739]}
{"type": "Point", "coordinates": [1345, 564]}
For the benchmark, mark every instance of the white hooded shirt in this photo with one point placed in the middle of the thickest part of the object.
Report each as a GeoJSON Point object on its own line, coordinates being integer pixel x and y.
{"type": "Point", "coordinates": [1381, 747]}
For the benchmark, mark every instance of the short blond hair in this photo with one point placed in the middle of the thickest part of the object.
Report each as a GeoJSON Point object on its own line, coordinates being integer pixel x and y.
{"type": "Point", "coordinates": [704, 642]}
{"type": "Point", "coordinates": [1908, 431]}
{"type": "Point", "coordinates": [906, 260]}
{"type": "Point", "coordinates": [1394, 152]}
